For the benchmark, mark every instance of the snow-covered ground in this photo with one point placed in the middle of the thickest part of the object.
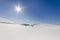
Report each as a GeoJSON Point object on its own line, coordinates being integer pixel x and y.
{"type": "Point", "coordinates": [38, 32]}
{"type": "Point", "coordinates": [15, 31]}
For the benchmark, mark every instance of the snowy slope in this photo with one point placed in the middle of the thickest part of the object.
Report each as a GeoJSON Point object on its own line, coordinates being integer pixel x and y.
{"type": "Point", "coordinates": [21, 32]}
{"type": "Point", "coordinates": [38, 32]}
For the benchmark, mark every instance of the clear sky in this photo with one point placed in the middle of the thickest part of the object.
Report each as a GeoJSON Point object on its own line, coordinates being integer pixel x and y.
{"type": "Point", "coordinates": [35, 11]}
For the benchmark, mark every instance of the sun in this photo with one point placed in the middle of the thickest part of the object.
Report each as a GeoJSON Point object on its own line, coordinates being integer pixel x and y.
{"type": "Point", "coordinates": [18, 9]}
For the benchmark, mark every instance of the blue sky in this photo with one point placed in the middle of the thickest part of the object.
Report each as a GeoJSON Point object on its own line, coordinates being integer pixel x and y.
{"type": "Point", "coordinates": [35, 11]}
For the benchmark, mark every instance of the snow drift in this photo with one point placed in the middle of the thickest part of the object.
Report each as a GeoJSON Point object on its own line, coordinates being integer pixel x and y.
{"type": "Point", "coordinates": [21, 32]}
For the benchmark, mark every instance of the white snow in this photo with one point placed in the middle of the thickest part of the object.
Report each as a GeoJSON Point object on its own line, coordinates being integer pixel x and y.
{"type": "Point", "coordinates": [38, 32]}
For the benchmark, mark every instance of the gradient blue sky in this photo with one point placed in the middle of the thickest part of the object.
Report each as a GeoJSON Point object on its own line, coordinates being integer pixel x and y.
{"type": "Point", "coordinates": [35, 11]}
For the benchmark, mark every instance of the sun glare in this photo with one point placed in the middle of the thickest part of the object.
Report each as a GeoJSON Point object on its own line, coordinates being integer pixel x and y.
{"type": "Point", "coordinates": [18, 9]}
